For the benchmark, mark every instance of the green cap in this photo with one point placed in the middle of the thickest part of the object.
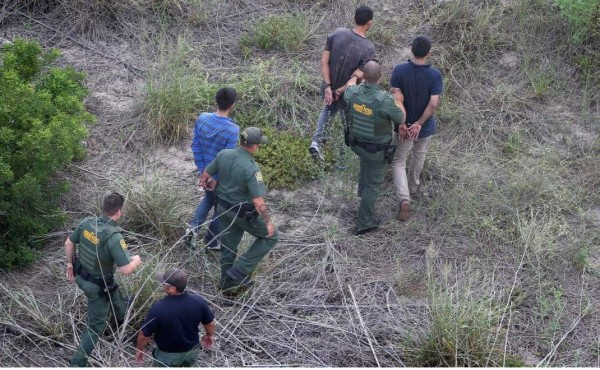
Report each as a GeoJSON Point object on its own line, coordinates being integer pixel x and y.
{"type": "Point", "coordinates": [253, 135]}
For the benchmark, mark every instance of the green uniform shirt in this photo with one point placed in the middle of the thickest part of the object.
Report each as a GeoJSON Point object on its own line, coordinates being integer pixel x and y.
{"type": "Point", "coordinates": [240, 179]}
{"type": "Point", "coordinates": [101, 245]}
{"type": "Point", "coordinates": [371, 120]}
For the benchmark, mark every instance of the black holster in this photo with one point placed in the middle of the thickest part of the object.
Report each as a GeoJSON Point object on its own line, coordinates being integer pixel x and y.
{"type": "Point", "coordinates": [107, 284]}
{"type": "Point", "coordinates": [347, 135]}
{"type": "Point", "coordinates": [389, 151]}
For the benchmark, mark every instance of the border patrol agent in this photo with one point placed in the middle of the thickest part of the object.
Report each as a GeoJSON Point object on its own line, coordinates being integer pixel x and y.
{"type": "Point", "coordinates": [101, 247]}
{"type": "Point", "coordinates": [241, 207]}
{"type": "Point", "coordinates": [371, 113]}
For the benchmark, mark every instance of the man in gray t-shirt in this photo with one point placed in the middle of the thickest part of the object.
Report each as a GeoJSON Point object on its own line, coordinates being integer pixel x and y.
{"type": "Point", "coordinates": [346, 51]}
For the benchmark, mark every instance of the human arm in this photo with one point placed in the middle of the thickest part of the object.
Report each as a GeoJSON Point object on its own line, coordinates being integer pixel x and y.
{"type": "Point", "coordinates": [416, 126]}
{"type": "Point", "coordinates": [263, 210]}
{"type": "Point", "coordinates": [208, 339]}
{"type": "Point", "coordinates": [354, 80]}
{"type": "Point", "coordinates": [69, 253]}
{"type": "Point", "coordinates": [142, 341]}
{"type": "Point", "coordinates": [325, 72]}
{"type": "Point", "coordinates": [131, 266]}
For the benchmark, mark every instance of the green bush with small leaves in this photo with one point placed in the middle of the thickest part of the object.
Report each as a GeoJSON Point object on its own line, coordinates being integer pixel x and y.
{"type": "Point", "coordinates": [42, 124]}
{"type": "Point", "coordinates": [285, 161]}
{"type": "Point", "coordinates": [284, 32]}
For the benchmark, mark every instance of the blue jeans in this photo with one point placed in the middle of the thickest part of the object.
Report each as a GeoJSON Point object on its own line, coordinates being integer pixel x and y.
{"type": "Point", "coordinates": [201, 214]}
{"type": "Point", "coordinates": [327, 115]}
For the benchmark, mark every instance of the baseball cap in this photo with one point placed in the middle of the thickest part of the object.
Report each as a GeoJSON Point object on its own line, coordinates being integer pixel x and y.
{"type": "Point", "coordinates": [175, 277]}
{"type": "Point", "coordinates": [253, 135]}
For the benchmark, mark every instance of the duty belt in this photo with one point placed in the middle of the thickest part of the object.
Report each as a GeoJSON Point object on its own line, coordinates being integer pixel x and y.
{"type": "Point", "coordinates": [81, 271]}
{"type": "Point", "coordinates": [239, 208]}
{"type": "Point", "coordinates": [369, 147]}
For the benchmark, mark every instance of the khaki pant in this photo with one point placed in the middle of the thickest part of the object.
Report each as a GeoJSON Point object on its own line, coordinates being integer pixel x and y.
{"type": "Point", "coordinates": [406, 184]}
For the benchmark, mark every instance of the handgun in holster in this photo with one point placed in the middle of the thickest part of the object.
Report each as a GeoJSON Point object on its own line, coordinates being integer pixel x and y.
{"type": "Point", "coordinates": [389, 151]}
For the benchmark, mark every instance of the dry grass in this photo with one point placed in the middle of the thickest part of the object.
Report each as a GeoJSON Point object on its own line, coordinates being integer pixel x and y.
{"type": "Point", "coordinates": [505, 241]}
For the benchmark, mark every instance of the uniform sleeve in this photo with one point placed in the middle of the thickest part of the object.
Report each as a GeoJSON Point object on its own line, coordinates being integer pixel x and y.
{"type": "Point", "coordinates": [395, 79]}
{"type": "Point", "coordinates": [118, 249]}
{"type": "Point", "coordinates": [438, 86]}
{"type": "Point", "coordinates": [348, 92]}
{"type": "Point", "coordinates": [76, 234]}
{"type": "Point", "coordinates": [392, 110]}
{"type": "Point", "coordinates": [212, 167]}
{"type": "Point", "coordinates": [255, 183]}
{"type": "Point", "coordinates": [151, 322]}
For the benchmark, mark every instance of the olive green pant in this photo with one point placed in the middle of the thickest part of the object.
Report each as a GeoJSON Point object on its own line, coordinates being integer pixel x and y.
{"type": "Point", "coordinates": [233, 229]}
{"type": "Point", "coordinates": [370, 178]}
{"type": "Point", "coordinates": [97, 314]}
{"type": "Point", "coordinates": [179, 359]}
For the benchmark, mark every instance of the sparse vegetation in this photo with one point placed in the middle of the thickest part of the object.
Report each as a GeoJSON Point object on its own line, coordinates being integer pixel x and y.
{"type": "Point", "coordinates": [499, 263]}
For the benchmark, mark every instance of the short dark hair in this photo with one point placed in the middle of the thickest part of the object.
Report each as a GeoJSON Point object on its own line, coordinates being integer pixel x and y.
{"type": "Point", "coordinates": [112, 203]}
{"type": "Point", "coordinates": [225, 98]}
{"type": "Point", "coordinates": [363, 15]}
{"type": "Point", "coordinates": [420, 46]}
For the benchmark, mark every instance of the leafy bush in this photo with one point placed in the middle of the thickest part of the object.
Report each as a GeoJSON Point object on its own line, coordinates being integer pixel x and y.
{"type": "Point", "coordinates": [42, 119]}
{"type": "Point", "coordinates": [284, 32]}
{"type": "Point", "coordinates": [584, 21]}
{"type": "Point", "coordinates": [285, 162]}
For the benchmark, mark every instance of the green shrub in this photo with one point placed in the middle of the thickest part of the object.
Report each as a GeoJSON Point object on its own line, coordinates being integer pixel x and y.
{"type": "Point", "coordinates": [153, 208]}
{"type": "Point", "coordinates": [284, 32]}
{"type": "Point", "coordinates": [42, 119]}
{"type": "Point", "coordinates": [285, 161]}
{"type": "Point", "coordinates": [584, 18]}
{"type": "Point", "coordinates": [270, 96]}
{"type": "Point", "coordinates": [463, 331]}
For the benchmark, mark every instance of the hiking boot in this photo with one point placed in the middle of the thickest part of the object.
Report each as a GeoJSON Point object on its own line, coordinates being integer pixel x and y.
{"type": "Point", "coordinates": [374, 226]}
{"type": "Point", "coordinates": [238, 279]}
{"type": "Point", "coordinates": [404, 211]}
{"type": "Point", "coordinates": [315, 151]}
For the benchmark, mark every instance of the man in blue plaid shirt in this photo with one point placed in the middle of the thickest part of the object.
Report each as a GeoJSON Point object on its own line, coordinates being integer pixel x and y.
{"type": "Point", "coordinates": [213, 132]}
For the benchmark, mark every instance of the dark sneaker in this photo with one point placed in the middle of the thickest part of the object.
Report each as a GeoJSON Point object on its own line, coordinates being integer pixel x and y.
{"type": "Point", "coordinates": [376, 223]}
{"type": "Point", "coordinates": [315, 151]}
{"type": "Point", "coordinates": [404, 211]}
{"type": "Point", "coordinates": [215, 247]}
{"type": "Point", "coordinates": [190, 237]}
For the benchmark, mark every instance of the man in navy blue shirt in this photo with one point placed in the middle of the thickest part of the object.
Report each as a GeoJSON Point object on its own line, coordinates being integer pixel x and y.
{"type": "Point", "coordinates": [213, 132]}
{"type": "Point", "coordinates": [174, 322]}
{"type": "Point", "coordinates": [419, 86]}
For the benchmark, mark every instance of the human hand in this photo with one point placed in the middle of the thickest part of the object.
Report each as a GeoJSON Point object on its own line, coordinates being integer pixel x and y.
{"type": "Point", "coordinates": [413, 131]}
{"type": "Point", "coordinates": [210, 184]}
{"type": "Point", "coordinates": [402, 133]}
{"type": "Point", "coordinates": [328, 99]}
{"type": "Point", "coordinates": [139, 356]}
{"type": "Point", "coordinates": [270, 229]}
{"type": "Point", "coordinates": [70, 274]}
{"type": "Point", "coordinates": [136, 260]}
{"type": "Point", "coordinates": [207, 342]}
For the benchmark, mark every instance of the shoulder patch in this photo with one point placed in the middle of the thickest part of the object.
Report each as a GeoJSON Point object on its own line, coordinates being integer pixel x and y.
{"type": "Point", "coordinates": [123, 244]}
{"type": "Point", "coordinates": [259, 177]}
